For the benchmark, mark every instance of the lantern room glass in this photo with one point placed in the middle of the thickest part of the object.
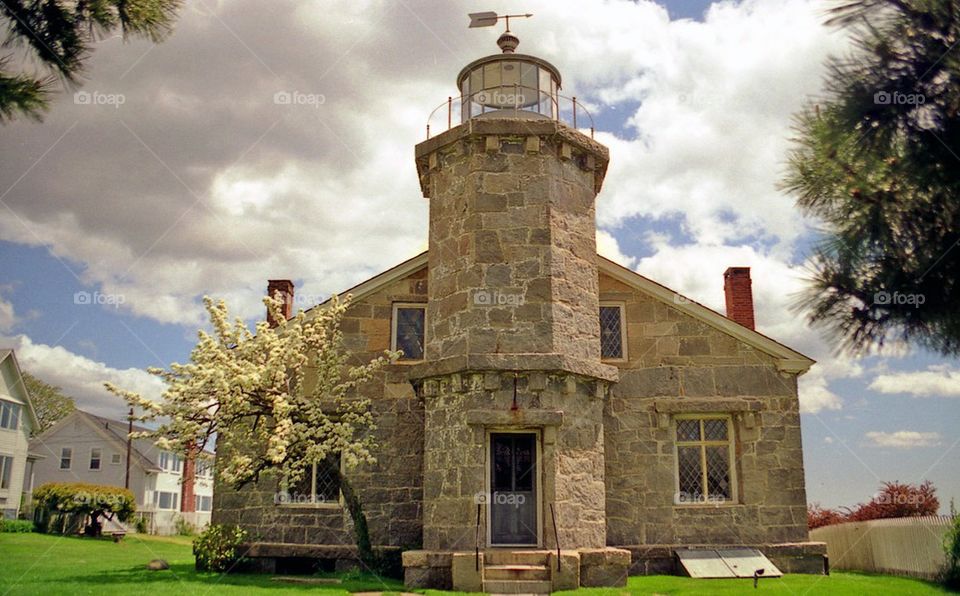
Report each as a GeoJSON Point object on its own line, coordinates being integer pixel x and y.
{"type": "Point", "coordinates": [509, 84]}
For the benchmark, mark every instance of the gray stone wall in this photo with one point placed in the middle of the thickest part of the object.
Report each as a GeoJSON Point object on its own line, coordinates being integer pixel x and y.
{"type": "Point", "coordinates": [512, 239]}
{"type": "Point", "coordinates": [565, 409]}
{"type": "Point", "coordinates": [391, 489]}
{"type": "Point", "coordinates": [680, 365]}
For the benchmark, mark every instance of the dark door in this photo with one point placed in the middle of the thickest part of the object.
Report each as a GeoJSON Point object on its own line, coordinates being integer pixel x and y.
{"type": "Point", "coordinates": [513, 488]}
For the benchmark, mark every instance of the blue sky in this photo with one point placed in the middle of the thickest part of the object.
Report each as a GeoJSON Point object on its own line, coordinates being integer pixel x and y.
{"type": "Point", "coordinates": [197, 183]}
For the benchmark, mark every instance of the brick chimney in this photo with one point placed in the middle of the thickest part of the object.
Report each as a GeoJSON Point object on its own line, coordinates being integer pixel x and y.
{"type": "Point", "coordinates": [739, 294]}
{"type": "Point", "coordinates": [187, 501]}
{"type": "Point", "coordinates": [285, 287]}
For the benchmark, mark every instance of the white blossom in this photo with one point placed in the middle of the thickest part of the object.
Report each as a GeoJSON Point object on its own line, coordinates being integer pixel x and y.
{"type": "Point", "coordinates": [276, 399]}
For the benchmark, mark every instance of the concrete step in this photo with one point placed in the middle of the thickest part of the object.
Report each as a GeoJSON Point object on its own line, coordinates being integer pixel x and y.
{"type": "Point", "coordinates": [515, 557]}
{"type": "Point", "coordinates": [516, 572]}
{"type": "Point", "coordinates": [516, 587]}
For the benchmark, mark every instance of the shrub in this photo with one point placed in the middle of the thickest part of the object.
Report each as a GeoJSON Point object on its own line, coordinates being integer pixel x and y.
{"type": "Point", "coordinates": [16, 525]}
{"type": "Point", "coordinates": [183, 527]}
{"type": "Point", "coordinates": [140, 524]}
{"type": "Point", "coordinates": [951, 545]}
{"type": "Point", "coordinates": [896, 499]}
{"type": "Point", "coordinates": [818, 516]}
{"type": "Point", "coordinates": [218, 547]}
{"type": "Point", "coordinates": [68, 499]}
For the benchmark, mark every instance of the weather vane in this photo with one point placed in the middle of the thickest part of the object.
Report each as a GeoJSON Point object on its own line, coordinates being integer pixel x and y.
{"type": "Point", "coordinates": [508, 42]}
{"type": "Point", "coordinates": [488, 19]}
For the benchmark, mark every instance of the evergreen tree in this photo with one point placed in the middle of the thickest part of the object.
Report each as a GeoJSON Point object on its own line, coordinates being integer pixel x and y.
{"type": "Point", "coordinates": [878, 162]}
{"type": "Point", "coordinates": [59, 33]}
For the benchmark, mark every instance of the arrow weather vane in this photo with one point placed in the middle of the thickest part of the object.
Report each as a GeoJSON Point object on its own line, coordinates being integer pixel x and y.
{"type": "Point", "coordinates": [488, 19]}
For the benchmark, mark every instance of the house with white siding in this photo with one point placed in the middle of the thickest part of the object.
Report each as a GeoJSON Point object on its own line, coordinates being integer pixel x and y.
{"type": "Point", "coordinates": [87, 448]}
{"type": "Point", "coordinates": [17, 419]}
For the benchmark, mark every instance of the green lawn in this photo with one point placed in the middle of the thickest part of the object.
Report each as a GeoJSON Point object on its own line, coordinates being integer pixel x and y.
{"type": "Point", "coordinates": [43, 564]}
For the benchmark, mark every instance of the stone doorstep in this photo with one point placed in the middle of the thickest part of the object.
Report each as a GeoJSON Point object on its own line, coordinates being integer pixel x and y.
{"type": "Point", "coordinates": [516, 587]}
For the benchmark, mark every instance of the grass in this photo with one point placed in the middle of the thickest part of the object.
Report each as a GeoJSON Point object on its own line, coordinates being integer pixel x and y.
{"type": "Point", "coordinates": [44, 564]}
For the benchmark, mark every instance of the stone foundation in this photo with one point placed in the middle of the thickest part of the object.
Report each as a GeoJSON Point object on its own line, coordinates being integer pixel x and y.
{"type": "Point", "coordinates": [462, 571]}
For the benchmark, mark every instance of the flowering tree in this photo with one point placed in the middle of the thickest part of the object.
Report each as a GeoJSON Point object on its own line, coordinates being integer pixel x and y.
{"type": "Point", "coordinates": [280, 398]}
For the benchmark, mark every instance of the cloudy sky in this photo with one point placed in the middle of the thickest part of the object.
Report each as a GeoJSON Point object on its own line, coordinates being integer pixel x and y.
{"type": "Point", "coordinates": [174, 174]}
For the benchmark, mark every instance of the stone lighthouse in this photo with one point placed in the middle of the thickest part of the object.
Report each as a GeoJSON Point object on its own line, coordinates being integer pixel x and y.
{"type": "Point", "coordinates": [512, 381]}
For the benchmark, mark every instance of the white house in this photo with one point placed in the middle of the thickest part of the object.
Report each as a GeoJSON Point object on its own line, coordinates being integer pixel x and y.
{"type": "Point", "coordinates": [87, 448]}
{"type": "Point", "coordinates": [17, 418]}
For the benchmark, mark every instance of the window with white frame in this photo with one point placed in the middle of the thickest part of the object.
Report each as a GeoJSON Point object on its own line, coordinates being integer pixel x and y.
{"type": "Point", "coordinates": [612, 336]}
{"type": "Point", "coordinates": [166, 500]}
{"type": "Point", "coordinates": [6, 467]}
{"type": "Point", "coordinates": [66, 458]}
{"type": "Point", "coordinates": [203, 502]}
{"type": "Point", "coordinates": [407, 330]}
{"type": "Point", "coordinates": [95, 458]}
{"type": "Point", "coordinates": [170, 462]}
{"type": "Point", "coordinates": [9, 415]}
{"type": "Point", "coordinates": [319, 484]}
{"type": "Point", "coordinates": [204, 469]}
{"type": "Point", "coordinates": [704, 458]}
{"type": "Point", "coordinates": [115, 459]}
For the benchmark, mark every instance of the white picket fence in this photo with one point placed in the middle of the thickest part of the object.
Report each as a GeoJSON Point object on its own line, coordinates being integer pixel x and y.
{"type": "Point", "coordinates": [910, 546]}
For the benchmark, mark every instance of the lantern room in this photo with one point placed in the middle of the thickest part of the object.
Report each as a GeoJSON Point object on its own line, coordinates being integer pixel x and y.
{"type": "Point", "coordinates": [509, 85]}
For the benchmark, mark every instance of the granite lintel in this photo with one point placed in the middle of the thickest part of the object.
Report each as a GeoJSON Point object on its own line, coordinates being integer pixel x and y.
{"type": "Point", "coordinates": [519, 363]}
{"type": "Point", "coordinates": [518, 417]}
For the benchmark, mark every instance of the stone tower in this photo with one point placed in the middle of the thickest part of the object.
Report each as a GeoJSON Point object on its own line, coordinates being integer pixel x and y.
{"type": "Point", "coordinates": [512, 382]}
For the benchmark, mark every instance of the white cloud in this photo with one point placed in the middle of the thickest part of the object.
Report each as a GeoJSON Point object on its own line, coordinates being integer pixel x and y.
{"type": "Point", "coordinates": [7, 318]}
{"type": "Point", "coordinates": [904, 439]}
{"type": "Point", "coordinates": [81, 377]}
{"type": "Point", "coordinates": [607, 246]}
{"type": "Point", "coordinates": [937, 381]}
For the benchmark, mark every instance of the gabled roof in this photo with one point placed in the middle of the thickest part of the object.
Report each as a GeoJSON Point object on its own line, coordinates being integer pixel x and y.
{"type": "Point", "coordinates": [112, 431]}
{"type": "Point", "coordinates": [5, 354]}
{"type": "Point", "coordinates": [788, 359]}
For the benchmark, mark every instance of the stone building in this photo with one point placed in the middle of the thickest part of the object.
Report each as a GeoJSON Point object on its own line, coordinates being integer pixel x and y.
{"type": "Point", "coordinates": [556, 420]}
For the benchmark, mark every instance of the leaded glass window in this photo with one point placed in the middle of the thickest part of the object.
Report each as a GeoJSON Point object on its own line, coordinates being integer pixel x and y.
{"type": "Point", "coordinates": [704, 462]}
{"type": "Point", "coordinates": [409, 321]}
{"type": "Point", "coordinates": [611, 332]}
{"type": "Point", "coordinates": [320, 483]}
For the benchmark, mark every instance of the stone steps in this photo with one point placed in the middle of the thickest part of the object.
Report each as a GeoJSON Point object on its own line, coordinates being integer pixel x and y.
{"type": "Point", "coordinates": [516, 572]}
{"type": "Point", "coordinates": [516, 587]}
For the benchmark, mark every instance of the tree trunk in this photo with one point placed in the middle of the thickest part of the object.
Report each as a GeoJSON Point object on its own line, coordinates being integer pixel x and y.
{"type": "Point", "coordinates": [355, 508]}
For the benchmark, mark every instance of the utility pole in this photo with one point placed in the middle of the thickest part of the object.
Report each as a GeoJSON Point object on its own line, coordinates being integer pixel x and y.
{"type": "Point", "coordinates": [126, 480]}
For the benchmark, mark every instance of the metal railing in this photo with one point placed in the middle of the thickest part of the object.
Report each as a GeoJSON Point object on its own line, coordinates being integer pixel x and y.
{"type": "Point", "coordinates": [477, 539]}
{"type": "Point", "coordinates": [556, 534]}
{"type": "Point", "coordinates": [561, 108]}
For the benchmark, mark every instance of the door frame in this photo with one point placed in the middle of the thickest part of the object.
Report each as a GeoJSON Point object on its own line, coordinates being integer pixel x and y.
{"type": "Point", "coordinates": [538, 478]}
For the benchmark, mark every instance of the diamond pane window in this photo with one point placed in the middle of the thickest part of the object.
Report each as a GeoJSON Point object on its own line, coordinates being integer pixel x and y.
{"type": "Point", "coordinates": [320, 484]}
{"type": "Point", "coordinates": [408, 330]}
{"type": "Point", "coordinates": [718, 472]}
{"type": "Point", "coordinates": [611, 332]}
{"type": "Point", "coordinates": [704, 459]}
